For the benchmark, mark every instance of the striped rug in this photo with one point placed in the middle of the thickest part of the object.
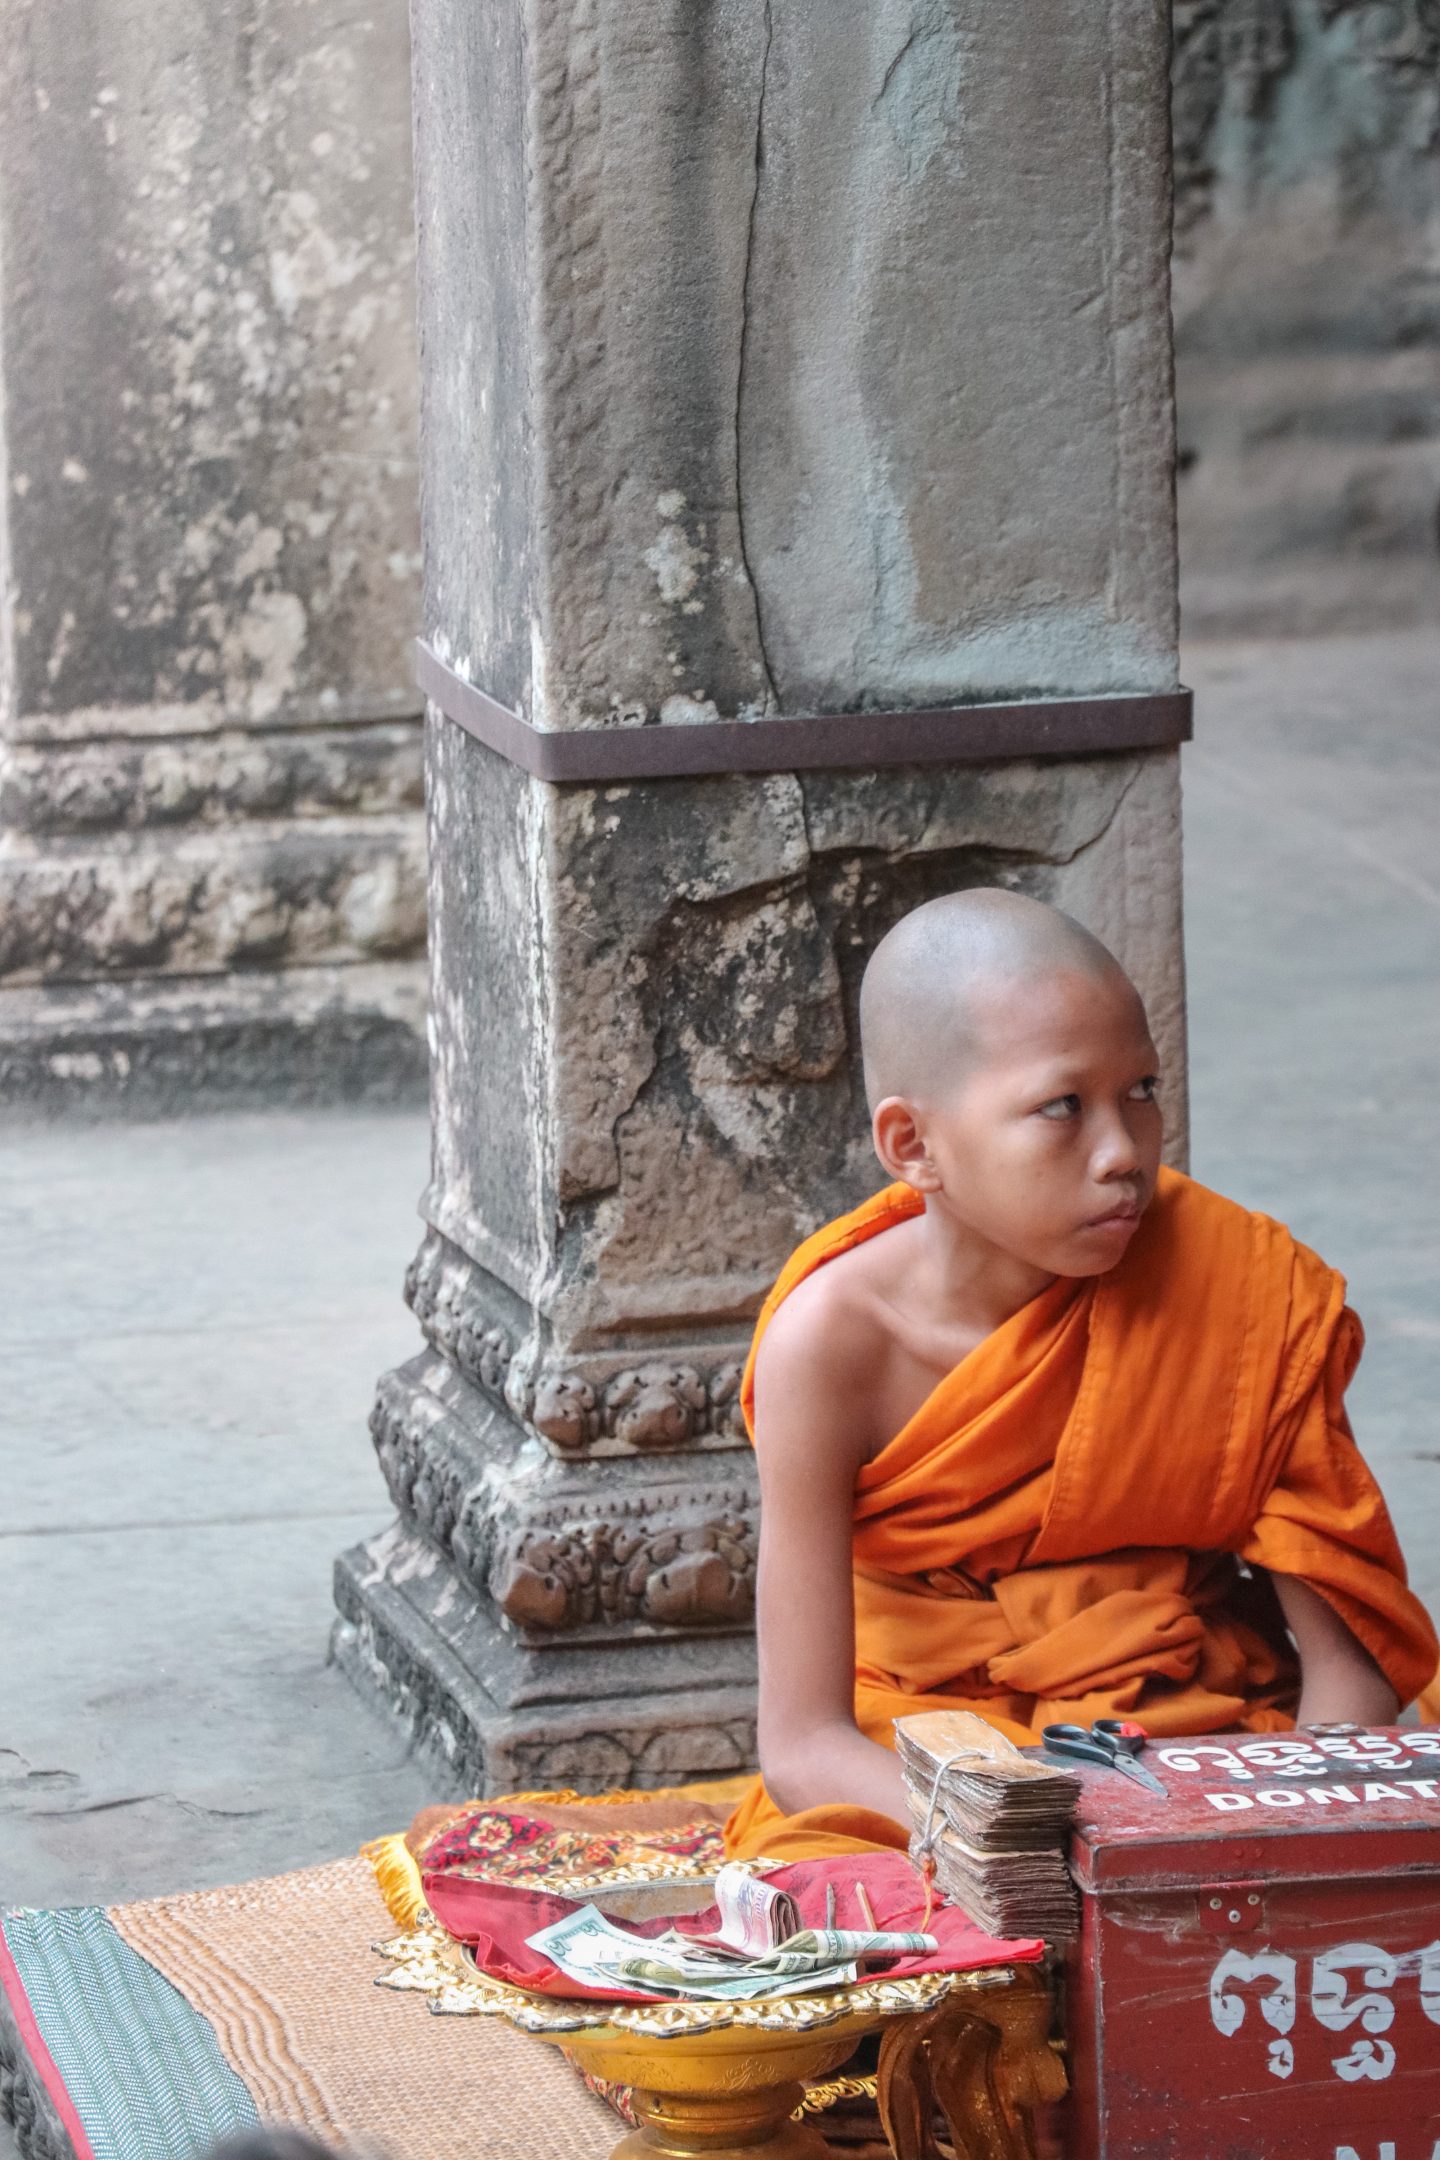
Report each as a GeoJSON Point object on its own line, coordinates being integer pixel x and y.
{"type": "Point", "coordinates": [148, 2031]}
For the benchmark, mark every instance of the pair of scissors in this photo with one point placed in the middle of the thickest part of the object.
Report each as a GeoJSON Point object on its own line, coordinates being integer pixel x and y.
{"type": "Point", "coordinates": [1113, 1743]}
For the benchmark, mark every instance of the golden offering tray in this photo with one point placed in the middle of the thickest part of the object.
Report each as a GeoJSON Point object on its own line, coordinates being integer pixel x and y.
{"type": "Point", "coordinates": [726, 2080]}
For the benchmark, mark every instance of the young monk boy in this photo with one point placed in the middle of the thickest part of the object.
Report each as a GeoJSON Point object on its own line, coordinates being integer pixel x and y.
{"type": "Point", "coordinates": [1046, 1431]}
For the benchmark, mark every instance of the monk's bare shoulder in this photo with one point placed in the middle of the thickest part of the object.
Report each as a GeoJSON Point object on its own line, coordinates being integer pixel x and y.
{"type": "Point", "coordinates": [821, 1356]}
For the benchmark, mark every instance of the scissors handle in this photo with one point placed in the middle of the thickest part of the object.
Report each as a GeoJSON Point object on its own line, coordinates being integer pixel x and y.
{"type": "Point", "coordinates": [1126, 1737]}
{"type": "Point", "coordinates": [1083, 1743]}
{"type": "Point", "coordinates": [1112, 1742]}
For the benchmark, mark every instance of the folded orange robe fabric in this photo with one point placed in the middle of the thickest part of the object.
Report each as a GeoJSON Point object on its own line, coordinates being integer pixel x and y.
{"type": "Point", "coordinates": [1059, 1531]}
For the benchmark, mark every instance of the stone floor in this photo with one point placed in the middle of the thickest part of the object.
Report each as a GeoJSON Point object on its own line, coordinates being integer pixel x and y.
{"type": "Point", "coordinates": [1312, 814]}
{"type": "Point", "coordinates": [192, 1317]}
{"type": "Point", "coordinates": [192, 1314]}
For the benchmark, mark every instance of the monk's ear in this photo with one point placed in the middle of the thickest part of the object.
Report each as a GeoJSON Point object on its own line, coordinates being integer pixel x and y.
{"type": "Point", "coordinates": [901, 1145]}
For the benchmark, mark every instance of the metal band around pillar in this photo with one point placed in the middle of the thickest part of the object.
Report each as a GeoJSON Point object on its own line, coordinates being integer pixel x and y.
{"type": "Point", "coordinates": [814, 742]}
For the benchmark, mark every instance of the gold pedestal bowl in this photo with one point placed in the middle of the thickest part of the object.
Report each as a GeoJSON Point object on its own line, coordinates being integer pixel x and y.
{"type": "Point", "coordinates": [725, 2081]}
{"type": "Point", "coordinates": [729, 2093]}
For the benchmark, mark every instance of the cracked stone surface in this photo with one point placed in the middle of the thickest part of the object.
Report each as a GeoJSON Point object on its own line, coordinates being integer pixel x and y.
{"type": "Point", "coordinates": [673, 1099]}
{"type": "Point", "coordinates": [796, 420]}
{"type": "Point", "coordinates": [211, 412]}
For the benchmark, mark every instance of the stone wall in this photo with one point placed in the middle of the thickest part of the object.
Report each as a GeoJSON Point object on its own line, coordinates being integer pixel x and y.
{"type": "Point", "coordinates": [211, 843]}
{"type": "Point", "coordinates": [1307, 298]}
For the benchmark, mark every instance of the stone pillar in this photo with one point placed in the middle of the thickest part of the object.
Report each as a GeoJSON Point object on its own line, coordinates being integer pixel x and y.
{"type": "Point", "coordinates": [1307, 137]}
{"type": "Point", "coordinates": [789, 358]}
{"type": "Point", "coordinates": [211, 827]}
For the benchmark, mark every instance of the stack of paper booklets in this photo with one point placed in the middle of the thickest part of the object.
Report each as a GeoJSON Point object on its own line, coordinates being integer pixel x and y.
{"type": "Point", "coordinates": [997, 1822]}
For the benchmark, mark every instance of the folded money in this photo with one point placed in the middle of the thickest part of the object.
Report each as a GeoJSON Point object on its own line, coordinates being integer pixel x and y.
{"type": "Point", "coordinates": [654, 1976]}
{"type": "Point", "coordinates": [589, 1948]}
{"type": "Point", "coordinates": [865, 1946]}
{"type": "Point", "coordinates": [754, 1916]}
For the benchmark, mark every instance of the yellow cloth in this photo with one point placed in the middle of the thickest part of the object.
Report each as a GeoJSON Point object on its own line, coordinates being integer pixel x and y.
{"type": "Point", "coordinates": [1056, 1533]}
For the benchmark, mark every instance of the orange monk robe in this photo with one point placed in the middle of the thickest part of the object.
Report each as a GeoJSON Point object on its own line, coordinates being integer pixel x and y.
{"type": "Point", "coordinates": [1059, 1530]}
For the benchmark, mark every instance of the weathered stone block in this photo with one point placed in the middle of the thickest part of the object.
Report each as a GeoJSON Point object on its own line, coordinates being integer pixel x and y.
{"type": "Point", "coordinates": [273, 894]}
{"type": "Point", "coordinates": [1307, 312]}
{"type": "Point", "coordinates": [406, 1637]}
{"type": "Point", "coordinates": [310, 1035]}
{"type": "Point", "coordinates": [209, 743]}
{"type": "Point", "coordinates": [678, 1014]}
{"type": "Point", "coordinates": [125, 784]}
{"type": "Point", "coordinates": [751, 405]}
{"type": "Point", "coordinates": [208, 361]}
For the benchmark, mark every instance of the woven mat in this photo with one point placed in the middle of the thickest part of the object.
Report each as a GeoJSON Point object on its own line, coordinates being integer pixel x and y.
{"type": "Point", "coordinates": [278, 1970]}
{"type": "Point", "coordinates": [145, 2032]}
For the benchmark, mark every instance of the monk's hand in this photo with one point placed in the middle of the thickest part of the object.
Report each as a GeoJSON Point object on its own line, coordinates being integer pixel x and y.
{"type": "Point", "coordinates": [1340, 1683]}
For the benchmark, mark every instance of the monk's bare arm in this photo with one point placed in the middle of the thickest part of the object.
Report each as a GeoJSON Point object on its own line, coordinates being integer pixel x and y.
{"type": "Point", "coordinates": [810, 1442]}
{"type": "Point", "coordinates": [1339, 1680]}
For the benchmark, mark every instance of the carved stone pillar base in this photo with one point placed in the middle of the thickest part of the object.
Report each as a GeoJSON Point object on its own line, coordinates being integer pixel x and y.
{"type": "Point", "coordinates": [428, 1653]}
{"type": "Point", "coordinates": [538, 1616]}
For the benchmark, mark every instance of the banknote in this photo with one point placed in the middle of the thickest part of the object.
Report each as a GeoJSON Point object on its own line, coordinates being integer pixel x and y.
{"type": "Point", "coordinates": [806, 1947]}
{"type": "Point", "coordinates": [590, 1949]}
{"type": "Point", "coordinates": [586, 1946]}
{"type": "Point", "coordinates": [847, 1946]}
{"type": "Point", "coordinates": [702, 1960]}
{"type": "Point", "coordinates": [754, 1915]}
{"type": "Point", "coordinates": [650, 1975]}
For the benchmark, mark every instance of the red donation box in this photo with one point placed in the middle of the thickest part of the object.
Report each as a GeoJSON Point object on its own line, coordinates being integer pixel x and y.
{"type": "Point", "coordinates": [1257, 1975]}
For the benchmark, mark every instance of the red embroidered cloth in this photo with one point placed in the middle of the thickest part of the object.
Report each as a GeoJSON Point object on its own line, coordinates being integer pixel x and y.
{"type": "Point", "coordinates": [494, 1919]}
{"type": "Point", "coordinates": [524, 1845]}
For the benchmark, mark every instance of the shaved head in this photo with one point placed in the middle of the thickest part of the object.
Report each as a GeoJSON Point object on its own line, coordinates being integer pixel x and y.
{"type": "Point", "coordinates": [922, 999]}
